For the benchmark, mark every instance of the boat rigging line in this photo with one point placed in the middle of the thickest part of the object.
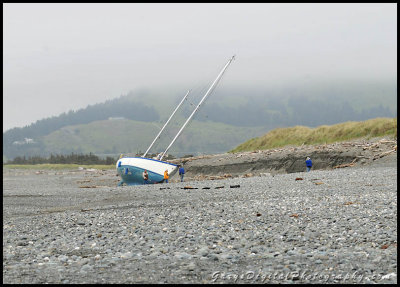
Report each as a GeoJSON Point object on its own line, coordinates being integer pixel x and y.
{"type": "Point", "coordinates": [198, 106]}
{"type": "Point", "coordinates": [158, 135]}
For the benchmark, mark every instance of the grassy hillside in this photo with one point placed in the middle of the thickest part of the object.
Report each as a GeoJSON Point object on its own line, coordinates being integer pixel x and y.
{"type": "Point", "coordinates": [128, 136]}
{"type": "Point", "coordinates": [108, 136]}
{"type": "Point", "coordinates": [299, 135]}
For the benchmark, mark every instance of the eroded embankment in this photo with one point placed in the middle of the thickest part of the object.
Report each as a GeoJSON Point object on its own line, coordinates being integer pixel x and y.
{"type": "Point", "coordinates": [285, 164]}
{"type": "Point", "coordinates": [292, 159]}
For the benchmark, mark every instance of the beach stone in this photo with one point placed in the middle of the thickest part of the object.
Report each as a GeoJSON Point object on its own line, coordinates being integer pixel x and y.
{"type": "Point", "coordinates": [63, 258]}
{"type": "Point", "coordinates": [83, 261]}
{"type": "Point", "coordinates": [86, 268]}
{"type": "Point", "coordinates": [182, 255]}
{"type": "Point", "coordinates": [203, 251]}
{"type": "Point", "coordinates": [191, 266]}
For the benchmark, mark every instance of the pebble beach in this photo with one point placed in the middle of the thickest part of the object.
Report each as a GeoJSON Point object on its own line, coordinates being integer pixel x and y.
{"type": "Point", "coordinates": [324, 226]}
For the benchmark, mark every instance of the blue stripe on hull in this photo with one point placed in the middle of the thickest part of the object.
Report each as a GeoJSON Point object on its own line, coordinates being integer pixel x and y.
{"type": "Point", "coordinates": [134, 175]}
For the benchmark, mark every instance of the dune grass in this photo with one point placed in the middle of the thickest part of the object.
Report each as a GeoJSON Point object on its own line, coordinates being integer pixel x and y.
{"type": "Point", "coordinates": [299, 135]}
{"type": "Point", "coordinates": [47, 166]}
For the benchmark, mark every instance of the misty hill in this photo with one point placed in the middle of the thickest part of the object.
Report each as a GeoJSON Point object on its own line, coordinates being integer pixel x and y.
{"type": "Point", "coordinates": [312, 105]}
{"type": "Point", "coordinates": [231, 116]}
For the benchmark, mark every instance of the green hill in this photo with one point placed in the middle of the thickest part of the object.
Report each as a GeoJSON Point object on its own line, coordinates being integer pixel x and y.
{"type": "Point", "coordinates": [128, 136]}
{"type": "Point", "coordinates": [299, 135]}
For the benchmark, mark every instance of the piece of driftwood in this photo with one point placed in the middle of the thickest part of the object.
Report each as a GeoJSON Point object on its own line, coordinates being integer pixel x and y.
{"type": "Point", "coordinates": [84, 210]}
{"type": "Point", "coordinates": [346, 164]}
{"type": "Point", "coordinates": [384, 153]}
{"type": "Point", "coordinates": [189, 187]}
{"type": "Point", "coordinates": [350, 203]}
{"type": "Point", "coordinates": [386, 141]}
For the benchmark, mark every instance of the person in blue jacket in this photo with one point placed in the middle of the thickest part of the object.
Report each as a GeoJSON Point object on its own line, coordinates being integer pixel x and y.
{"type": "Point", "coordinates": [308, 164]}
{"type": "Point", "coordinates": [181, 172]}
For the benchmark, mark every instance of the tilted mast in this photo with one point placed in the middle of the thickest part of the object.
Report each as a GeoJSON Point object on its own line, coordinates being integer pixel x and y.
{"type": "Point", "coordinates": [158, 136]}
{"type": "Point", "coordinates": [198, 106]}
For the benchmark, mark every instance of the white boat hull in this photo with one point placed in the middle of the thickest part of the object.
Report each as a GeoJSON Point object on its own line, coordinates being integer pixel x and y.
{"type": "Point", "coordinates": [131, 170]}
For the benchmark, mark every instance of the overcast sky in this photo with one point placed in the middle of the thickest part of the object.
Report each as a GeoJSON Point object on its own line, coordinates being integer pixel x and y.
{"type": "Point", "coordinates": [61, 57]}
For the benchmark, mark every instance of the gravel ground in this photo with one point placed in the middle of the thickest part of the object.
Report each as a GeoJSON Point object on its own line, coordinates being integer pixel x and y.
{"type": "Point", "coordinates": [325, 226]}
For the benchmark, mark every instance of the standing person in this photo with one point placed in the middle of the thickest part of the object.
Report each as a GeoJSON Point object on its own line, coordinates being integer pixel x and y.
{"type": "Point", "coordinates": [145, 177]}
{"type": "Point", "coordinates": [181, 172]}
{"type": "Point", "coordinates": [308, 164]}
{"type": "Point", "coordinates": [166, 176]}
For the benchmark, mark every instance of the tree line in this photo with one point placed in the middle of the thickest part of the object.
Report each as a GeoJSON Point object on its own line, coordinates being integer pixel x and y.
{"type": "Point", "coordinates": [84, 159]}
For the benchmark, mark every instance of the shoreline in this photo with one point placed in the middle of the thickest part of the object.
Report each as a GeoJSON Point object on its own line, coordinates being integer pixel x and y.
{"type": "Point", "coordinates": [380, 151]}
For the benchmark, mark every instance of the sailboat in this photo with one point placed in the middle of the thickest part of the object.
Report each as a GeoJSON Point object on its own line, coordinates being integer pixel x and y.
{"type": "Point", "coordinates": [131, 168]}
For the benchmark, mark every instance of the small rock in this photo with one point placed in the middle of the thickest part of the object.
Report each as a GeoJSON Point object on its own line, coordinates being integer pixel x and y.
{"type": "Point", "coordinates": [63, 258]}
